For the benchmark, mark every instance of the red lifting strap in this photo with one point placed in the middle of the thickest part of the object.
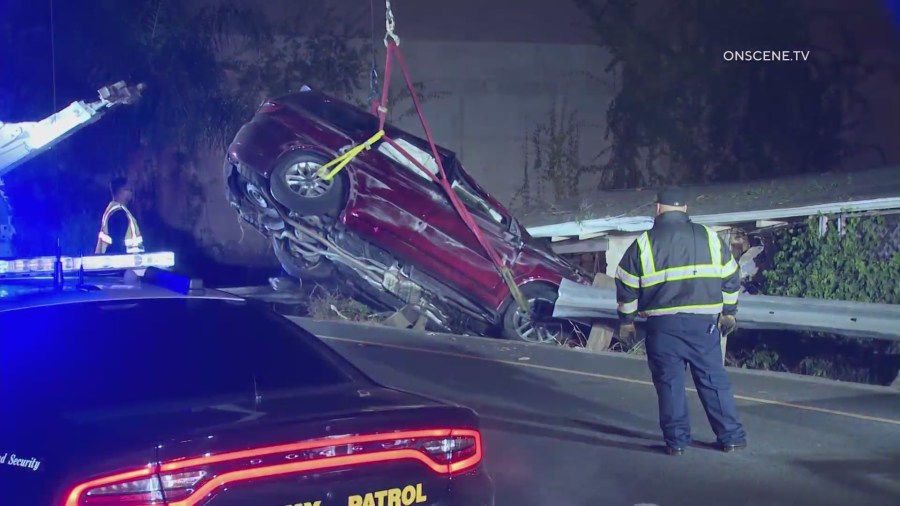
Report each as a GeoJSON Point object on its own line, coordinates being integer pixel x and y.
{"type": "Point", "coordinates": [381, 109]}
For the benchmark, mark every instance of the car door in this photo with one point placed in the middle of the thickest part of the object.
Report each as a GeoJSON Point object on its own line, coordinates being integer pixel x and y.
{"type": "Point", "coordinates": [401, 209]}
{"type": "Point", "coordinates": [498, 229]}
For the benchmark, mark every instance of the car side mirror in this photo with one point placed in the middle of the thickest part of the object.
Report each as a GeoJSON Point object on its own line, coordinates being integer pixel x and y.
{"type": "Point", "coordinates": [516, 229]}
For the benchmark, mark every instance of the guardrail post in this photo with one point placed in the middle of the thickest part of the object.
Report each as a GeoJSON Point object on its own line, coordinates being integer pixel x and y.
{"type": "Point", "coordinates": [601, 334]}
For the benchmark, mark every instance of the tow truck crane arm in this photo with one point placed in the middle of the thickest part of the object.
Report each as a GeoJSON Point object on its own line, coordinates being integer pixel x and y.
{"type": "Point", "coordinates": [20, 142]}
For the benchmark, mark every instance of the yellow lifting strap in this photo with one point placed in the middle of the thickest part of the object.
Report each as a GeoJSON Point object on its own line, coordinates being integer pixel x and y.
{"type": "Point", "coordinates": [514, 290]}
{"type": "Point", "coordinates": [347, 157]}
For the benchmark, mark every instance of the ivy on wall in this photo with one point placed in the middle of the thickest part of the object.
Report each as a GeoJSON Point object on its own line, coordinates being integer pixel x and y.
{"type": "Point", "coordinates": [848, 262]}
{"type": "Point", "coordinates": [553, 168]}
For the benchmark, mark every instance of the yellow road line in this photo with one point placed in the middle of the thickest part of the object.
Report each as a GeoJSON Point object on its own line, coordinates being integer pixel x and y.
{"type": "Point", "coordinates": [757, 400]}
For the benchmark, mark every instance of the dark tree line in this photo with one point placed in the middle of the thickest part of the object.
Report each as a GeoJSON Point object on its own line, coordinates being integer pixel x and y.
{"type": "Point", "coordinates": [683, 112]}
{"type": "Point", "coordinates": [206, 69]}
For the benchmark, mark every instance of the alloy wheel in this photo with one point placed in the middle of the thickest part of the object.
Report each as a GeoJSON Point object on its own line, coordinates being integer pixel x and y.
{"type": "Point", "coordinates": [536, 332]}
{"type": "Point", "coordinates": [303, 179]}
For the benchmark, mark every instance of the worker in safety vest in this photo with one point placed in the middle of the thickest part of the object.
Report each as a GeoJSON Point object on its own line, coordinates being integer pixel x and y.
{"type": "Point", "coordinates": [119, 231]}
{"type": "Point", "coordinates": [683, 278]}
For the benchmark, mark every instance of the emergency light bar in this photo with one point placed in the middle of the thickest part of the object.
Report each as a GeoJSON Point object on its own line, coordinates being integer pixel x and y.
{"type": "Point", "coordinates": [45, 265]}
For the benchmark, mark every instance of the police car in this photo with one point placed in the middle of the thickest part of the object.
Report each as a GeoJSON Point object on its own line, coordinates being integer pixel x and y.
{"type": "Point", "coordinates": [149, 389]}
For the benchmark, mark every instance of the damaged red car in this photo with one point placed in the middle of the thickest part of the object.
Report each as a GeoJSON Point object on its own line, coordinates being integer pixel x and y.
{"type": "Point", "coordinates": [382, 227]}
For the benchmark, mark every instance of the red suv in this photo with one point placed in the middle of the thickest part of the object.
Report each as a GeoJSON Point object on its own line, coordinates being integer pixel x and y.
{"type": "Point", "coordinates": [382, 226]}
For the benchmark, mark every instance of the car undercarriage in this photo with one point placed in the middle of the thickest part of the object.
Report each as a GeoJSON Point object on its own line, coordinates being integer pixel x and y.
{"type": "Point", "coordinates": [318, 249]}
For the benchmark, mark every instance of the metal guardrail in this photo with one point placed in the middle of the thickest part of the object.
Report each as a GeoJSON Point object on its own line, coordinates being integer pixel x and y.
{"type": "Point", "coordinates": [852, 319]}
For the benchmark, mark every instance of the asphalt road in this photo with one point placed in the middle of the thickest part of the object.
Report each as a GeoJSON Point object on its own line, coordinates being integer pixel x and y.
{"type": "Point", "coordinates": [574, 428]}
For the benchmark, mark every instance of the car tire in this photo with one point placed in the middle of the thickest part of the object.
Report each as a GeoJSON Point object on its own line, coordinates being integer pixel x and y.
{"type": "Point", "coordinates": [514, 322]}
{"type": "Point", "coordinates": [297, 268]}
{"type": "Point", "coordinates": [306, 193]}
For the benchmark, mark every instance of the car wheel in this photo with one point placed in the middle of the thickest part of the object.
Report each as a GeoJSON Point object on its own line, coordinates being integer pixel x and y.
{"type": "Point", "coordinates": [521, 326]}
{"type": "Point", "coordinates": [296, 185]}
{"type": "Point", "coordinates": [295, 267]}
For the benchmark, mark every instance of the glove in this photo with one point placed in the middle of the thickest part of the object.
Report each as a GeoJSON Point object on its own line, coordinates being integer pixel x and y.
{"type": "Point", "coordinates": [727, 324]}
{"type": "Point", "coordinates": [627, 333]}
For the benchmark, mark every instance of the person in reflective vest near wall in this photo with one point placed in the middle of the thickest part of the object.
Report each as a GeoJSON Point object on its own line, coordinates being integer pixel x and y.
{"type": "Point", "coordinates": [683, 278]}
{"type": "Point", "coordinates": [119, 231]}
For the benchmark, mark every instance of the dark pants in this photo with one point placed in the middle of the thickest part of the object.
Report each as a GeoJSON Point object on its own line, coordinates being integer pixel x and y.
{"type": "Point", "coordinates": [673, 342]}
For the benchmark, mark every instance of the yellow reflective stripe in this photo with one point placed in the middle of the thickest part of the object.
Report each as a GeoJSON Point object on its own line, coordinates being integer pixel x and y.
{"type": "Point", "coordinates": [133, 243]}
{"type": "Point", "coordinates": [715, 247]}
{"type": "Point", "coordinates": [692, 309]}
{"type": "Point", "coordinates": [627, 278]}
{"type": "Point", "coordinates": [111, 208]}
{"type": "Point", "coordinates": [681, 273]}
{"type": "Point", "coordinates": [628, 307]}
{"type": "Point", "coordinates": [646, 252]}
{"type": "Point", "coordinates": [729, 268]}
{"type": "Point", "coordinates": [730, 297]}
{"type": "Point", "coordinates": [133, 229]}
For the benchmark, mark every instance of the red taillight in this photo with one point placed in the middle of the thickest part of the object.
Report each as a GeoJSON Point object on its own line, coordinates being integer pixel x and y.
{"type": "Point", "coordinates": [185, 482]}
{"type": "Point", "coordinates": [267, 107]}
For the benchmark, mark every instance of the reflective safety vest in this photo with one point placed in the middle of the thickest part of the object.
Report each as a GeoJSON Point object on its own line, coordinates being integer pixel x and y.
{"type": "Point", "coordinates": [134, 242]}
{"type": "Point", "coordinates": [677, 267]}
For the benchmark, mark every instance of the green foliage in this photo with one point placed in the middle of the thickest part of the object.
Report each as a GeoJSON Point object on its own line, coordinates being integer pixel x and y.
{"type": "Point", "coordinates": [312, 47]}
{"type": "Point", "coordinates": [841, 265]}
{"type": "Point", "coordinates": [837, 368]}
{"type": "Point", "coordinates": [855, 260]}
{"type": "Point", "coordinates": [196, 97]}
{"type": "Point", "coordinates": [325, 304]}
{"type": "Point", "coordinates": [761, 358]}
{"type": "Point", "coordinates": [682, 107]}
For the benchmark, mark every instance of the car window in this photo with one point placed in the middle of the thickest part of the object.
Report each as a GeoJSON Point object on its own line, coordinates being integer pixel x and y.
{"type": "Point", "coordinates": [116, 354]}
{"type": "Point", "coordinates": [475, 203]}
{"type": "Point", "coordinates": [424, 158]}
{"type": "Point", "coordinates": [289, 359]}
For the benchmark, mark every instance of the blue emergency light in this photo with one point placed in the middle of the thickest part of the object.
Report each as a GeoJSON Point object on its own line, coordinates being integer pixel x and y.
{"type": "Point", "coordinates": [172, 281]}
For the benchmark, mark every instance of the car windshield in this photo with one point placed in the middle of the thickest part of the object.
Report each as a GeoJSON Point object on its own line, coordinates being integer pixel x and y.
{"type": "Point", "coordinates": [99, 355]}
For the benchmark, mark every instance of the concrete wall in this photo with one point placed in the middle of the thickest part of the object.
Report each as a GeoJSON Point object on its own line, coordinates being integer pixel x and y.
{"type": "Point", "coordinates": [498, 92]}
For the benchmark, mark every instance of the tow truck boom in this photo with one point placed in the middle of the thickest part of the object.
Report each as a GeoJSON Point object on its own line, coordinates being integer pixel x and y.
{"type": "Point", "coordinates": [20, 142]}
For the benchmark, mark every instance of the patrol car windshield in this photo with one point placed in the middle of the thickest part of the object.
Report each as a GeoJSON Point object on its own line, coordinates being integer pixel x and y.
{"type": "Point", "coordinates": [133, 353]}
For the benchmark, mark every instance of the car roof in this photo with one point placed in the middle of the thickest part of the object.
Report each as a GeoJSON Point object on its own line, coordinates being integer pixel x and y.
{"type": "Point", "coordinates": [17, 294]}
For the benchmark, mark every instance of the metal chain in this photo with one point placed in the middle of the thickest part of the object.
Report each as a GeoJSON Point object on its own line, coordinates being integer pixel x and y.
{"type": "Point", "coordinates": [373, 81]}
{"type": "Point", "coordinates": [389, 25]}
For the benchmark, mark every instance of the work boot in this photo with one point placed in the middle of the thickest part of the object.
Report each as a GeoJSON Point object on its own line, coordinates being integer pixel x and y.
{"type": "Point", "coordinates": [674, 450]}
{"type": "Point", "coordinates": [733, 447]}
